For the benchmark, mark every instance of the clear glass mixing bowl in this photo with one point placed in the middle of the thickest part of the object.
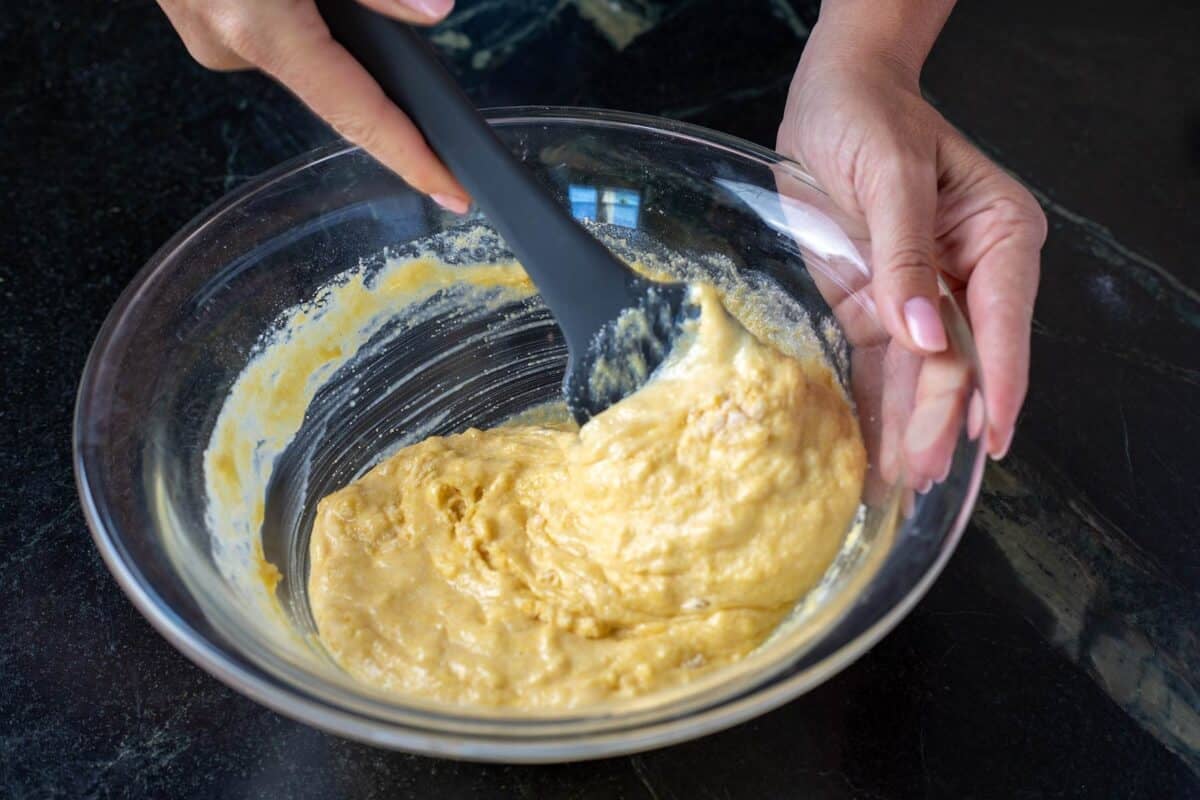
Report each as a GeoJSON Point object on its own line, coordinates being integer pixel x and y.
{"type": "Point", "coordinates": [172, 348]}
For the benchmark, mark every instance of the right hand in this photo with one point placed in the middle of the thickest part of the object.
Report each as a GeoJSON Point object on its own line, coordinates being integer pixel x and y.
{"type": "Point", "coordinates": [288, 40]}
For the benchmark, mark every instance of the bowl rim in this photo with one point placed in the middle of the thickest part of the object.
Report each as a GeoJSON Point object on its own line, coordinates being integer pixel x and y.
{"type": "Point", "coordinates": [292, 701]}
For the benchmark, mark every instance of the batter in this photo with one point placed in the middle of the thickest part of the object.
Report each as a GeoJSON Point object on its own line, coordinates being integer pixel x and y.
{"type": "Point", "coordinates": [545, 567]}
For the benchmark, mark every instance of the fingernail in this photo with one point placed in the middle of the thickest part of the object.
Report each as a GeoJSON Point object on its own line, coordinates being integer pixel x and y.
{"type": "Point", "coordinates": [434, 9]}
{"type": "Point", "coordinates": [889, 468]}
{"type": "Point", "coordinates": [1003, 451]}
{"type": "Point", "coordinates": [924, 325]}
{"type": "Point", "coordinates": [452, 203]}
{"type": "Point", "coordinates": [945, 473]}
{"type": "Point", "coordinates": [975, 416]}
{"type": "Point", "coordinates": [928, 423]}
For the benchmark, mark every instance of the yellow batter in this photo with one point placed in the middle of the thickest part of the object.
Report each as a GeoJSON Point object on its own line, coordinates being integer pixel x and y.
{"type": "Point", "coordinates": [545, 568]}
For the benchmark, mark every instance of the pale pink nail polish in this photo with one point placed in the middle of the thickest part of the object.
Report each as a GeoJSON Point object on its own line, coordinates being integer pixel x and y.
{"type": "Point", "coordinates": [1003, 451]}
{"type": "Point", "coordinates": [945, 473]}
{"type": "Point", "coordinates": [434, 9]}
{"type": "Point", "coordinates": [930, 421]}
{"type": "Point", "coordinates": [975, 416]}
{"type": "Point", "coordinates": [456, 205]}
{"type": "Point", "coordinates": [924, 325]}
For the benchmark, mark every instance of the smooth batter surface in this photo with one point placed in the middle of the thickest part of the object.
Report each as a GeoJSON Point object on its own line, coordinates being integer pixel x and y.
{"type": "Point", "coordinates": [547, 568]}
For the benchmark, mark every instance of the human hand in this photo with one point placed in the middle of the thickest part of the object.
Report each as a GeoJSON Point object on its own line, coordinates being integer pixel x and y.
{"type": "Point", "coordinates": [934, 206]}
{"type": "Point", "coordinates": [288, 40]}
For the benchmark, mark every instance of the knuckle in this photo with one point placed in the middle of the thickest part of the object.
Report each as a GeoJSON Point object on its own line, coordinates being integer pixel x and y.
{"type": "Point", "coordinates": [878, 178]}
{"type": "Point", "coordinates": [199, 36]}
{"type": "Point", "coordinates": [907, 158]}
{"type": "Point", "coordinates": [308, 23]}
{"type": "Point", "coordinates": [217, 59]}
{"type": "Point", "coordinates": [356, 127]}
{"type": "Point", "coordinates": [236, 28]}
{"type": "Point", "coordinates": [1018, 213]}
{"type": "Point", "coordinates": [910, 258]}
{"type": "Point", "coordinates": [358, 121]}
{"type": "Point", "coordinates": [1035, 220]}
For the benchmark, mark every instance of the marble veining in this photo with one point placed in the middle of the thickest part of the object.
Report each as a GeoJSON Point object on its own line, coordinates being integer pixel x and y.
{"type": "Point", "coordinates": [1056, 657]}
{"type": "Point", "coordinates": [1101, 599]}
{"type": "Point", "coordinates": [490, 31]}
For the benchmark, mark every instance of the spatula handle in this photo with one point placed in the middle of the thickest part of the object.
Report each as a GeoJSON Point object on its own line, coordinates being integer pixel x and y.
{"type": "Point", "coordinates": [582, 283]}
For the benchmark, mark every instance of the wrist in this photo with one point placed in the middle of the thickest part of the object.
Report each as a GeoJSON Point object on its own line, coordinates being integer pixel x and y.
{"type": "Point", "coordinates": [891, 38]}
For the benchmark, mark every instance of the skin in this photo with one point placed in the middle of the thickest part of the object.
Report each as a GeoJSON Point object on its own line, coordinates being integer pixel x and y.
{"type": "Point", "coordinates": [288, 40]}
{"type": "Point", "coordinates": [935, 206]}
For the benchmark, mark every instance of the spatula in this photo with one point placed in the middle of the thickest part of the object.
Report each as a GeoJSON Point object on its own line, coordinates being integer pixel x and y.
{"type": "Point", "coordinates": [618, 325]}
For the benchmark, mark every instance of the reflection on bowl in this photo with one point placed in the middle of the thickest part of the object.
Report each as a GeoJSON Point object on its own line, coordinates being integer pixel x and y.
{"type": "Point", "coordinates": [173, 348]}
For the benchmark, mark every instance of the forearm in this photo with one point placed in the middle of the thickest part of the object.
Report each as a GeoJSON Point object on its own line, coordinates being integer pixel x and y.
{"type": "Point", "coordinates": [897, 31]}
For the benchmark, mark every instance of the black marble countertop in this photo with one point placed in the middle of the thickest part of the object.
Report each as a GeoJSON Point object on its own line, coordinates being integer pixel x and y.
{"type": "Point", "coordinates": [1058, 656]}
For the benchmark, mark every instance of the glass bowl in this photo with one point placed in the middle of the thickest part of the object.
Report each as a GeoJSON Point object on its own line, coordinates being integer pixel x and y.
{"type": "Point", "coordinates": [171, 350]}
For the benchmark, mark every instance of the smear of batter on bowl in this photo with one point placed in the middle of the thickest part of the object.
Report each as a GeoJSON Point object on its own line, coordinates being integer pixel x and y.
{"type": "Point", "coordinates": [542, 567]}
{"type": "Point", "coordinates": [267, 404]}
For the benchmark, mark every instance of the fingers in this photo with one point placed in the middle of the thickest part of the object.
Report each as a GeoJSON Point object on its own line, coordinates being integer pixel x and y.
{"type": "Point", "coordinates": [938, 413]}
{"type": "Point", "coordinates": [994, 232]}
{"type": "Point", "coordinates": [1000, 296]}
{"type": "Point", "coordinates": [290, 41]}
{"type": "Point", "coordinates": [301, 55]}
{"type": "Point", "coordinates": [831, 244]}
{"type": "Point", "coordinates": [900, 210]}
{"type": "Point", "coordinates": [901, 367]}
{"type": "Point", "coordinates": [866, 387]}
{"type": "Point", "coordinates": [418, 12]}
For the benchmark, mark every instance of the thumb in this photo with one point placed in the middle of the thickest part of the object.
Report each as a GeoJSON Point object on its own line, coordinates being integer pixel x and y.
{"type": "Point", "coordinates": [900, 212]}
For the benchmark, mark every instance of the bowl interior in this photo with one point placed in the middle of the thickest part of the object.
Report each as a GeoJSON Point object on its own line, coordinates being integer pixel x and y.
{"type": "Point", "coordinates": [170, 355]}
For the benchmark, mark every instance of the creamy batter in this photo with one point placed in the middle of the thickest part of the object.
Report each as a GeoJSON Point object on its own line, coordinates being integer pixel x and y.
{"type": "Point", "coordinates": [544, 567]}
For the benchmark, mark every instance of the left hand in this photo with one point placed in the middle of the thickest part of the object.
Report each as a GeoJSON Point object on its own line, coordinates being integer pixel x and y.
{"type": "Point", "coordinates": [934, 205]}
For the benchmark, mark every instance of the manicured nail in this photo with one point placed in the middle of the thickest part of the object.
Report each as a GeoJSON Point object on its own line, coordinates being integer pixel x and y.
{"type": "Point", "coordinates": [924, 325]}
{"type": "Point", "coordinates": [945, 473]}
{"type": "Point", "coordinates": [889, 466]}
{"type": "Point", "coordinates": [1003, 451]}
{"type": "Point", "coordinates": [433, 9]}
{"type": "Point", "coordinates": [929, 423]}
{"type": "Point", "coordinates": [975, 416]}
{"type": "Point", "coordinates": [452, 203]}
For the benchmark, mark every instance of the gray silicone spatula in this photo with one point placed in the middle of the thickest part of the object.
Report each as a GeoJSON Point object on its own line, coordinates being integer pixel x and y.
{"type": "Point", "coordinates": [618, 326]}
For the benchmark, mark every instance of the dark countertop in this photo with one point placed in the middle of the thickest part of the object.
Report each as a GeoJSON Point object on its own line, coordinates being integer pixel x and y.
{"type": "Point", "coordinates": [1058, 656]}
